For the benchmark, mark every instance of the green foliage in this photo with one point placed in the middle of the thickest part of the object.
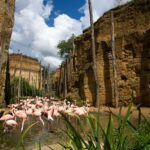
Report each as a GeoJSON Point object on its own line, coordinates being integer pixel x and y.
{"type": "Point", "coordinates": [21, 144]}
{"type": "Point", "coordinates": [65, 47]}
{"type": "Point", "coordinates": [95, 136]}
{"type": "Point", "coordinates": [142, 137]}
{"type": "Point", "coordinates": [38, 146]}
{"type": "Point", "coordinates": [26, 89]}
{"type": "Point", "coordinates": [21, 139]}
{"type": "Point", "coordinates": [123, 137]}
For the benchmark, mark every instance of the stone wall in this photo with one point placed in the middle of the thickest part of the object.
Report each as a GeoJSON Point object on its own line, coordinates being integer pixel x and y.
{"type": "Point", "coordinates": [132, 41]}
{"type": "Point", "coordinates": [54, 81]}
{"type": "Point", "coordinates": [6, 24]}
{"type": "Point", "coordinates": [30, 69]}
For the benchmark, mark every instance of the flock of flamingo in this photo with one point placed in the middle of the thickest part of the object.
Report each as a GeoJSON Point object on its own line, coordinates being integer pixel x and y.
{"type": "Point", "coordinates": [38, 107]}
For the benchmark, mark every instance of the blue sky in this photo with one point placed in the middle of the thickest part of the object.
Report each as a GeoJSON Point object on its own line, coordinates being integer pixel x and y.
{"type": "Point", "coordinates": [41, 24]}
{"type": "Point", "coordinates": [69, 7]}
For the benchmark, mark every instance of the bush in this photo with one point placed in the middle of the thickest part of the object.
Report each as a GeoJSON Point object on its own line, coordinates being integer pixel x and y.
{"type": "Point", "coordinates": [141, 137]}
{"type": "Point", "coordinates": [26, 89]}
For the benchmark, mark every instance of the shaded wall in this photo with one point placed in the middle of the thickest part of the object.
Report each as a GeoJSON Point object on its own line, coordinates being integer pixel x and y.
{"type": "Point", "coordinates": [132, 25]}
{"type": "Point", "coordinates": [6, 24]}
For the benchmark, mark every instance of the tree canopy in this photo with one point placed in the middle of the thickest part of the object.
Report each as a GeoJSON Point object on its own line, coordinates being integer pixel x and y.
{"type": "Point", "coordinates": [65, 47]}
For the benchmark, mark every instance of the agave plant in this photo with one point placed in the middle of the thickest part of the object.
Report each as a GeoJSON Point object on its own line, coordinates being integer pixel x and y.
{"type": "Point", "coordinates": [103, 138]}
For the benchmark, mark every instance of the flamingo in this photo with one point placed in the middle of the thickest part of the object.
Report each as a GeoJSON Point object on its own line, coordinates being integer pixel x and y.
{"type": "Point", "coordinates": [38, 113]}
{"type": "Point", "coordinates": [50, 113]}
{"type": "Point", "coordinates": [62, 108]}
{"type": "Point", "coordinates": [45, 107]}
{"type": "Point", "coordinates": [21, 114]}
{"type": "Point", "coordinates": [41, 105]}
{"type": "Point", "coordinates": [29, 111]}
{"type": "Point", "coordinates": [81, 111]}
{"type": "Point", "coordinates": [56, 113]}
{"type": "Point", "coordinates": [11, 123]}
{"type": "Point", "coordinates": [6, 117]}
{"type": "Point", "coordinates": [70, 110]}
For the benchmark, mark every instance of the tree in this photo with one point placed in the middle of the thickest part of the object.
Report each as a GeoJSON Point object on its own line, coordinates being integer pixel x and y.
{"type": "Point", "coordinates": [26, 89]}
{"type": "Point", "coordinates": [7, 84]}
{"type": "Point", "coordinates": [20, 72]}
{"type": "Point", "coordinates": [94, 53]}
{"type": "Point", "coordinates": [65, 47]}
{"type": "Point", "coordinates": [114, 59]}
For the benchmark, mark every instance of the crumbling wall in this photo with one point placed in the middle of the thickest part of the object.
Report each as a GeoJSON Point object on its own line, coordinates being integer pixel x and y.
{"type": "Point", "coordinates": [132, 36]}
{"type": "Point", "coordinates": [30, 69]}
{"type": "Point", "coordinates": [6, 24]}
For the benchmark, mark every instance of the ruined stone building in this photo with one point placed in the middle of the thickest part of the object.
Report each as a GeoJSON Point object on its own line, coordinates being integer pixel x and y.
{"type": "Point", "coordinates": [29, 67]}
{"type": "Point", "coordinates": [6, 24]}
{"type": "Point", "coordinates": [132, 42]}
{"type": "Point", "coordinates": [54, 81]}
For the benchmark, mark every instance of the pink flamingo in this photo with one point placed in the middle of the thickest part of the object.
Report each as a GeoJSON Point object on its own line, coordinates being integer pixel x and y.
{"type": "Point", "coordinates": [11, 123]}
{"type": "Point", "coordinates": [21, 114]}
{"type": "Point", "coordinates": [81, 111]}
{"type": "Point", "coordinates": [50, 113]}
{"type": "Point", "coordinates": [6, 117]}
{"type": "Point", "coordinates": [62, 108]}
{"type": "Point", "coordinates": [70, 110]}
{"type": "Point", "coordinates": [38, 113]}
{"type": "Point", "coordinates": [56, 113]}
{"type": "Point", "coordinates": [29, 111]}
{"type": "Point", "coordinates": [45, 107]}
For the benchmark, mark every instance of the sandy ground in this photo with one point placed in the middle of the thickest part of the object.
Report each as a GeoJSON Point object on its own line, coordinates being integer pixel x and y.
{"type": "Point", "coordinates": [51, 147]}
{"type": "Point", "coordinates": [103, 109]}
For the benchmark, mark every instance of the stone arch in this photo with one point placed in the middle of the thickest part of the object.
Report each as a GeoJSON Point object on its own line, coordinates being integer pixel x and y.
{"type": "Point", "coordinates": [107, 56]}
{"type": "Point", "coordinates": [89, 86]}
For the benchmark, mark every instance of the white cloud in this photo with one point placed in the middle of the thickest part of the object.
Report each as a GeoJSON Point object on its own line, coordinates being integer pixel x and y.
{"type": "Point", "coordinates": [34, 37]}
{"type": "Point", "coordinates": [99, 7]}
{"type": "Point", "coordinates": [53, 61]}
{"type": "Point", "coordinates": [11, 51]}
{"type": "Point", "coordinates": [47, 39]}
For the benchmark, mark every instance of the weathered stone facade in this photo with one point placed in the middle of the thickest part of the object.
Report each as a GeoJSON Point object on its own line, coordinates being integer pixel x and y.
{"type": "Point", "coordinates": [6, 24]}
{"type": "Point", "coordinates": [132, 41]}
{"type": "Point", "coordinates": [54, 81]}
{"type": "Point", "coordinates": [30, 69]}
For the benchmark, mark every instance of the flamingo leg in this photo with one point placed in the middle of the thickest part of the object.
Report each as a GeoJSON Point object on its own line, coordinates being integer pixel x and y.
{"type": "Point", "coordinates": [56, 120]}
{"type": "Point", "coordinates": [4, 124]}
{"type": "Point", "coordinates": [50, 118]}
{"type": "Point", "coordinates": [5, 128]}
{"type": "Point", "coordinates": [22, 125]}
{"type": "Point", "coordinates": [41, 120]}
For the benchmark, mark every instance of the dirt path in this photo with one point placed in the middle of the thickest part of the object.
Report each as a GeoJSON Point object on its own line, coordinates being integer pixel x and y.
{"type": "Point", "coordinates": [103, 109]}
